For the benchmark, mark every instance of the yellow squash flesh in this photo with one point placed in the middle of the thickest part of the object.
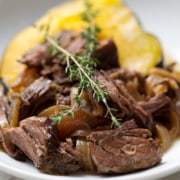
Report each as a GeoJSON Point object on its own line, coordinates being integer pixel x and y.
{"type": "Point", "coordinates": [137, 50]}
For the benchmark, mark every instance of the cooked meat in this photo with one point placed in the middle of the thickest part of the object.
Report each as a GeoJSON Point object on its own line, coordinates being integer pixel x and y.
{"type": "Point", "coordinates": [56, 72]}
{"type": "Point", "coordinates": [41, 94]}
{"type": "Point", "coordinates": [39, 55]}
{"type": "Point", "coordinates": [123, 150]}
{"type": "Point", "coordinates": [86, 139]}
{"type": "Point", "coordinates": [69, 157]}
{"type": "Point", "coordinates": [126, 149]}
{"type": "Point", "coordinates": [53, 67]}
{"type": "Point", "coordinates": [37, 138]}
{"type": "Point", "coordinates": [154, 104]}
{"type": "Point", "coordinates": [125, 75]}
{"type": "Point", "coordinates": [133, 81]}
{"type": "Point", "coordinates": [73, 42]}
{"type": "Point", "coordinates": [127, 106]}
{"type": "Point", "coordinates": [9, 147]}
{"type": "Point", "coordinates": [38, 89]}
{"type": "Point", "coordinates": [106, 53]}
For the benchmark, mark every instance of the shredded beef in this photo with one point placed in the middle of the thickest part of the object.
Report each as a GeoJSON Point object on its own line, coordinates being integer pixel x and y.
{"type": "Point", "coordinates": [41, 94]}
{"type": "Point", "coordinates": [53, 67]}
{"type": "Point", "coordinates": [127, 106]}
{"type": "Point", "coordinates": [154, 104]}
{"type": "Point", "coordinates": [12, 150]}
{"type": "Point", "coordinates": [132, 80]}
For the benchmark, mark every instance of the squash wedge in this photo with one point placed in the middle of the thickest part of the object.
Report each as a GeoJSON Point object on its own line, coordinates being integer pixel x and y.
{"type": "Point", "coordinates": [137, 49]}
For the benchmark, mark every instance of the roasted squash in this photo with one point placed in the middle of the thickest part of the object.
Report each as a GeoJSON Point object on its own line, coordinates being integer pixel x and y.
{"type": "Point", "coordinates": [137, 49]}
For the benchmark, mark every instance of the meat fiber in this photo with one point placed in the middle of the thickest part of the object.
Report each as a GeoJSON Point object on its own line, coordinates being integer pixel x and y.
{"type": "Point", "coordinates": [123, 150]}
{"type": "Point", "coordinates": [51, 64]}
{"type": "Point", "coordinates": [38, 139]}
{"type": "Point", "coordinates": [39, 95]}
{"type": "Point", "coordinates": [124, 102]}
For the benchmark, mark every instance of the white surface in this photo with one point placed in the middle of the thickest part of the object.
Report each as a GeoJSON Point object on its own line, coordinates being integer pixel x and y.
{"type": "Point", "coordinates": [157, 16]}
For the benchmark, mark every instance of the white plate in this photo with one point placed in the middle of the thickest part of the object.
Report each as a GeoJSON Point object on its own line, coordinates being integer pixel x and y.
{"type": "Point", "coordinates": [157, 16]}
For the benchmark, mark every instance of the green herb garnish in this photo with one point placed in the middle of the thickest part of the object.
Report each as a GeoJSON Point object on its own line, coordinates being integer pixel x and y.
{"type": "Point", "coordinates": [83, 67]}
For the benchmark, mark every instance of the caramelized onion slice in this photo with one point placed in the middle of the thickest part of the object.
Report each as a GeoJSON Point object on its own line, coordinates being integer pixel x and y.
{"type": "Point", "coordinates": [86, 162]}
{"type": "Point", "coordinates": [80, 120]}
{"type": "Point", "coordinates": [163, 137]}
{"type": "Point", "coordinates": [81, 133]}
{"type": "Point", "coordinates": [163, 73]}
{"type": "Point", "coordinates": [53, 110]}
{"type": "Point", "coordinates": [175, 124]}
{"type": "Point", "coordinates": [14, 116]}
{"type": "Point", "coordinates": [73, 93]}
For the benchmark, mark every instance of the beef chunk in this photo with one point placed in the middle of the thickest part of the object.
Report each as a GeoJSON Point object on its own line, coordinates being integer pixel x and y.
{"type": "Point", "coordinates": [123, 150]}
{"type": "Point", "coordinates": [37, 138]}
{"type": "Point", "coordinates": [41, 94]}
{"type": "Point", "coordinates": [9, 147]}
{"type": "Point", "coordinates": [106, 53]}
{"type": "Point", "coordinates": [33, 57]}
{"type": "Point", "coordinates": [133, 81]}
{"type": "Point", "coordinates": [125, 103]}
{"type": "Point", "coordinates": [37, 90]}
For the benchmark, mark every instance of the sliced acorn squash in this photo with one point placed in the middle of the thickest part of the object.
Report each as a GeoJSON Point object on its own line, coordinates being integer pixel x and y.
{"type": "Point", "coordinates": [137, 49]}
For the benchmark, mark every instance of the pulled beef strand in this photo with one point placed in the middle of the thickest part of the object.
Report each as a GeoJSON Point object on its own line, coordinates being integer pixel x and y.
{"type": "Point", "coordinates": [53, 67]}
{"type": "Point", "coordinates": [127, 105]}
{"type": "Point", "coordinates": [105, 52]}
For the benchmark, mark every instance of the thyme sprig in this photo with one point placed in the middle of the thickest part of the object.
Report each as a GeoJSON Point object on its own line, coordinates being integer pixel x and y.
{"type": "Point", "coordinates": [83, 68]}
{"type": "Point", "coordinates": [90, 32]}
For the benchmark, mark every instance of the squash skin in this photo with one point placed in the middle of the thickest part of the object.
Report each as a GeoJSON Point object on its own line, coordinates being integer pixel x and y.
{"type": "Point", "coordinates": [137, 50]}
